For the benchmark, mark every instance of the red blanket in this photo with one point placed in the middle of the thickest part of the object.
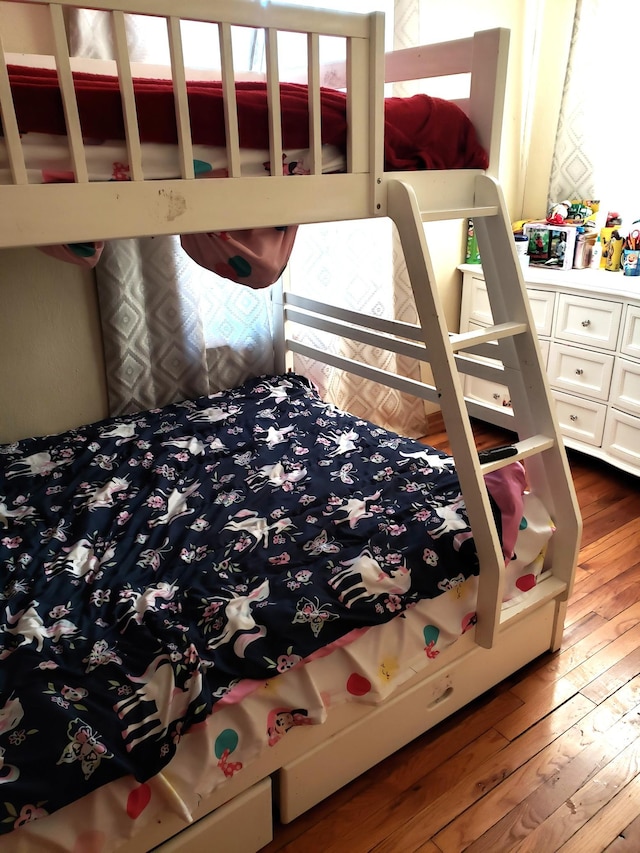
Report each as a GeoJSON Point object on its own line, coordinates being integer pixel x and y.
{"type": "Point", "coordinates": [420, 132]}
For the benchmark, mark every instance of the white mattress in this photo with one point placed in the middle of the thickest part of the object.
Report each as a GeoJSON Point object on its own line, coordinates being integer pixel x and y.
{"type": "Point", "coordinates": [47, 160]}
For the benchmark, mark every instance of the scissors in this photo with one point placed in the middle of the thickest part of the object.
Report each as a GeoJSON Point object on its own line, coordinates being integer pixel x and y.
{"type": "Point", "coordinates": [633, 240]}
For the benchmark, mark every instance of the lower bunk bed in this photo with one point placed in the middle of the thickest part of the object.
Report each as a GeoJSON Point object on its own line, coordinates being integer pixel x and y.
{"type": "Point", "coordinates": [240, 597]}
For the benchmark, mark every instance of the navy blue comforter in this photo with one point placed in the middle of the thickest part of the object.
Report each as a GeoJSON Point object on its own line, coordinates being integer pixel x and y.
{"type": "Point", "coordinates": [150, 562]}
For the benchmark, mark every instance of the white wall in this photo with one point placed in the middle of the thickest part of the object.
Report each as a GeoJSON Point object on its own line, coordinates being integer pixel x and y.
{"type": "Point", "coordinates": [51, 362]}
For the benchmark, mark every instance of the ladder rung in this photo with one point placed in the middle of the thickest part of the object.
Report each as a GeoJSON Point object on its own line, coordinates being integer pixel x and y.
{"type": "Point", "coordinates": [458, 213]}
{"type": "Point", "coordinates": [524, 448]}
{"type": "Point", "coordinates": [465, 340]}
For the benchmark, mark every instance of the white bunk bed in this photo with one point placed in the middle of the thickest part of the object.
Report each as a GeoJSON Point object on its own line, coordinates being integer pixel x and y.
{"type": "Point", "coordinates": [354, 736]}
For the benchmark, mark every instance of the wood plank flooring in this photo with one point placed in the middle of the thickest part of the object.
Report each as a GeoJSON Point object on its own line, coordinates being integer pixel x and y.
{"type": "Point", "coordinates": [547, 761]}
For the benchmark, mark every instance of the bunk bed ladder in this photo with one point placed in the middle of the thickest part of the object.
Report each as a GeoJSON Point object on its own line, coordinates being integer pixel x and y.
{"type": "Point", "coordinates": [520, 367]}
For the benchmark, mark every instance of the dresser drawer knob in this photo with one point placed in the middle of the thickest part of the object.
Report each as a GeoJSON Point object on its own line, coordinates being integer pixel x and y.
{"type": "Point", "coordinates": [573, 417]}
{"type": "Point", "coordinates": [496, 396]}
{"type": "Point", "coordinates": [579, 371]}
{"type": "Point", "coordinates": [586, 323]}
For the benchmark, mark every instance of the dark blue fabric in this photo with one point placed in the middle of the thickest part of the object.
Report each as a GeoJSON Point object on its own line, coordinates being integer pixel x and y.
{"type": "Point", "coordinates": [127, 546]}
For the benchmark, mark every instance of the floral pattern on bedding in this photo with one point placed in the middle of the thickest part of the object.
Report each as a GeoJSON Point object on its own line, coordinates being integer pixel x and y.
{"type": "Point", "coordinates": [152, 562]}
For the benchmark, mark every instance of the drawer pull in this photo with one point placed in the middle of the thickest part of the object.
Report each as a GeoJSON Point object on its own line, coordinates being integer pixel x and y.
{"type": "Point", "coordinates": [496, 396]}
{"type": "Point", "coordinates": [586, 323]}
{"type": "Point", "coordinates": [579, 371]}
{"type": "Point", "coordinates": [573, 417]}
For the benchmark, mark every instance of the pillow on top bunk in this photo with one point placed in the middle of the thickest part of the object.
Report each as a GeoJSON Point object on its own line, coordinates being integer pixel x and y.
{"type": "Point", "coordinates": [82, 254]}
{"type": "Point", "coordinates": [255, 257]}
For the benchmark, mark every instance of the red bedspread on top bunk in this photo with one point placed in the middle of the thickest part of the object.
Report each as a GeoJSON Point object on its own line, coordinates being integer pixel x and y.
{"type": "Point", "coordinates": [421, 132]}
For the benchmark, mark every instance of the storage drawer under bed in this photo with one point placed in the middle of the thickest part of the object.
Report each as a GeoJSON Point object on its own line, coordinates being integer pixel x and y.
{"type": "Point", "coordinates": [242, 825]}
{"type": "Point", "coordinates": [347, 754]}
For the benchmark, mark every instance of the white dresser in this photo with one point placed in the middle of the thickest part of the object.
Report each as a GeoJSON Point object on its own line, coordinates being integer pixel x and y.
{"type": "Point", "coordinates": [588, 323]}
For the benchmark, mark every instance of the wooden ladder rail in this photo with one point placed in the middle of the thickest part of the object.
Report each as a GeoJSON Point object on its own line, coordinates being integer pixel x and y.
{"type": "Point", "coordinates": [534, 419]}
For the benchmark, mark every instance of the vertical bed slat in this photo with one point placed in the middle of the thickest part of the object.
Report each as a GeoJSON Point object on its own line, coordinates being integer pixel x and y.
{"type": "Point", "coordinates": [315, 124]}
{"type": "Point", "coordinates": [129, 111]}
{"type": "Point", "coordinates": [230, 101]}
{"type": "Point", "coordinates": [178, 75]}
{"type": "Point", "coordinates": [67, 91]}
{"type": "Point", "coordinates": [273, 101]}
{"type": "Point", "coordinates": [376, 113]}
{"type": "Point", "coordinates": [10, 125]}
{"type": "Point", "coordinates": [358, 105]}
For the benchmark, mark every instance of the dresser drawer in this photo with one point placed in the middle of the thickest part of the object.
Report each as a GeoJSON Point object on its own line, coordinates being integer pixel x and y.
{"type": "Point", "coordinates": [582, 420]}
{"type": "Point", "coordinates": [630, 339]}
{"type": "Point", "coordinates": [625, 386]}
{"type": "Point", "coordinates": [487, 392]}
{"type": "Point", "coordinates": [583, 320]}
{"type": "Point", "coordinates": [580, 371]}
{"type": "Point", "coordinates": [622, 437]}
{"type": "Point", "coordinates": [541, 302]}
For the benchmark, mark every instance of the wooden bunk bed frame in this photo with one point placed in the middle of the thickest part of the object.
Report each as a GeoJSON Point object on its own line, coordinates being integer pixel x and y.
{"type": "Point", "coordinates": [354, 737]}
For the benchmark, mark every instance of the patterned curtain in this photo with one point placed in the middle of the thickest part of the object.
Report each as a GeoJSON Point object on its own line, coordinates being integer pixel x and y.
{"type": "Point", "coordinates": [595, 128]}
{"type": "Point", "coordinates": [172, 330]}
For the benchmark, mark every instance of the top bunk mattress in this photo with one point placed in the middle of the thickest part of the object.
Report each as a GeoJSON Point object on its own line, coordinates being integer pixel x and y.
{"type": "Point", "coordinates": [421, 132]}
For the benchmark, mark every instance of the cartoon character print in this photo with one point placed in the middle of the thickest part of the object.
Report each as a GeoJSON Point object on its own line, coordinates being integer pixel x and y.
{"type": "Point", "coordinates": [281, 720]}
{"type": "Point", "coordinates": [289, 167]}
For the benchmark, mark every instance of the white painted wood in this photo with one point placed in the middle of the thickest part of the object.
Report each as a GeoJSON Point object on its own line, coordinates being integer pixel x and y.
{"type": "Point", "coordinates": [69, 103]}
{"type": "Point", "coordinates": [630, 339]}
{"type": "Point", "coordinates": [227, 828]}
{"type": "Point", "coordinates": [358, 106]}
{"type": "Point", "coordinates": [398, 328]}
{"type": "Point", "coordinates": [128, 98]}
{"type": "Point", "coordinates": [391, 380]}
{"type": "Point", "coordinates": [581, 371]}
{"type": "Point", "coordinates": [579, 418]}
{"type": "Point", "coordinates": [10, 125]}
{"type": "Point", "coordinates": [313, 83]}
{"type": "Point", "coordinates": [240, 12]}
{"type": "Point", "coordinates": [622, 438]}
{"type": "Point", "coordinates": [404, 210]}
{"type": "Point", "coordinates": [178, 75]}
{"type": "Point", "coordinates": [488, 87]}
{"type": "Point", "coordinates": [273, 100]}
{"type": "Point", "coordinates": [230, 102]}
{"type": "Point", "coordinates": [359, 333]}
{"type": "Point", "coordinates": [548, 473]}
{"type": "Point", "coordinates": [625, 386]}
{"type": "Point", "coordinates": [590, 321]}
{"type": "Point", "coordinates": [437, 60]}
{"type": "Point", "coordinates": [466, 340]}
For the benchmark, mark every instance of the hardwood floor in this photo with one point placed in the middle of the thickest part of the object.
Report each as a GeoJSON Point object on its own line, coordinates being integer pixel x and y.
{"type": "Point", "coordinates": [547, 761]}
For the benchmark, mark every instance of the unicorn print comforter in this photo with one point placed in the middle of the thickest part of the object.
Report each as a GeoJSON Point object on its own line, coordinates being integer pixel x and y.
{"type": "Point", "coordinates": [155, 564]}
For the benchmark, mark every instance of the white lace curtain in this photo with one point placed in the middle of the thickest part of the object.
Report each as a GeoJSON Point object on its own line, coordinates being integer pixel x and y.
{"type": "Point", "coordinates": [597, 134]}
{"type": "Point", "coordinates": [174, 330]}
